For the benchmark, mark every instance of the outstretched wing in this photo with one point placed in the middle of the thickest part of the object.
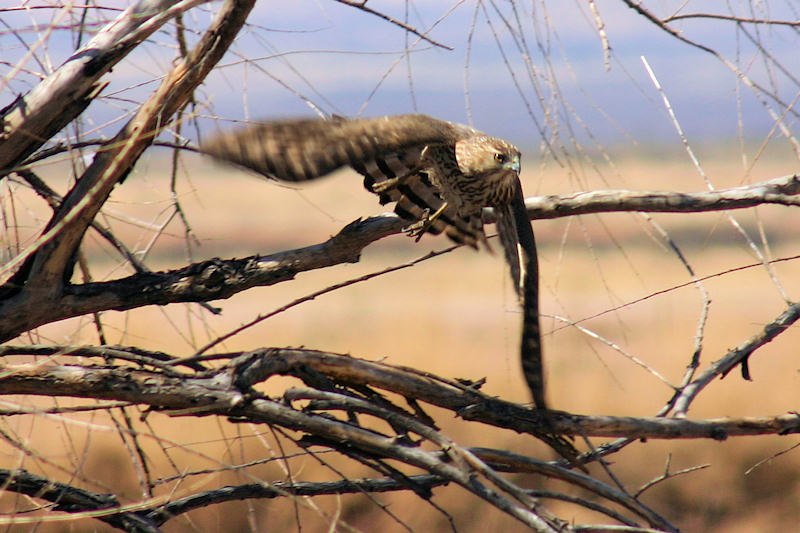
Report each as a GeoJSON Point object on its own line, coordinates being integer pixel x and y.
{"type": "Point", "coordinates": [387, 151]}
{"type": "Point", "coordinates": [305, 149]}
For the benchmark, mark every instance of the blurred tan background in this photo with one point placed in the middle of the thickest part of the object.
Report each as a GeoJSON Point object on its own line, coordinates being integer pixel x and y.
{"type": "Point", "coordinates": [454, 315]}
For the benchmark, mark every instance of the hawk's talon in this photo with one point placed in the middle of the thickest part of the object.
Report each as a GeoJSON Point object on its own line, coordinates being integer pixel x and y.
{"type": "Point", "coordinates": [385, 185]}
{"type": "Point", "coordinates": [417, 229]}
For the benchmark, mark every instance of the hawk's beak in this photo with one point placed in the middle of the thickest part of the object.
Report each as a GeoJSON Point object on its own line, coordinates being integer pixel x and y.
{"type": "Point", "coordinates": [513, 164]}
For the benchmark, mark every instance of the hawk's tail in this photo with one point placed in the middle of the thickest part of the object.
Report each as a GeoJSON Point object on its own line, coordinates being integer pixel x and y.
{"type": "Point", "coordinates": [508, 234]}
{"type": "Point", "coordinates": [525, 272]}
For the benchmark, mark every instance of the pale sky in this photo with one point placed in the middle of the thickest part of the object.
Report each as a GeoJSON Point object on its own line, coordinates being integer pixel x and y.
{"type": "Point", "coordinates": [702, 90]}
{"type": "Point", "coordinates": [319, 53]}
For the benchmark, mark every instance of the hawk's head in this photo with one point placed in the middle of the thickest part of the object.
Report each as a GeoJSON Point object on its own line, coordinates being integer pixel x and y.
{"type": "Point", "coordinates": [493, 166]}
{"type": "Point", "coordinates": [482, 155]}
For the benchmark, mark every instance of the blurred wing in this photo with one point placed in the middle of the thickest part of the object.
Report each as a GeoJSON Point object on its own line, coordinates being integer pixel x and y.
{"type": "Point", "coordinates": [387, 151]}
{"type": "Point", "coordinates": [305, 149]}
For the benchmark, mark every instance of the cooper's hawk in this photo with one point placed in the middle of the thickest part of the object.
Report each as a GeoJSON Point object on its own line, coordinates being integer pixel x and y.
{"type": "Point", "coordinates": [440, 175]}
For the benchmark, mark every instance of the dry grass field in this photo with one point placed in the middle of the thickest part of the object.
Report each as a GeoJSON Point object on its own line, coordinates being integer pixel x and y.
{"type": "Point", "coordinates": [455, 315]}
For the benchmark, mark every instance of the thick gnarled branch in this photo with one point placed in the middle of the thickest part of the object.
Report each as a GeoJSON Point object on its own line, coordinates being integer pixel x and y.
{"type": "Point", "coordinates": [46, 263]}
{"type": "Point", "coordinates": [228, 392]}
{"type": "Point", "coordinates": [199, 282]}
{"type": "Point", "coordinates": [212, 390]}
{"type": "Point", "coordinates": [218, 278]}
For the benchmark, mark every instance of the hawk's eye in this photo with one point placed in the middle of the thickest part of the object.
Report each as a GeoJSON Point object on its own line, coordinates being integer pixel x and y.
{"type": "Point", "coordinates": [500, 158]}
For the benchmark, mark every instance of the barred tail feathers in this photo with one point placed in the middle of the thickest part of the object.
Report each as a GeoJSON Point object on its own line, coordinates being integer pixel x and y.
{"type": "Point", "coordinates": [531, 354]}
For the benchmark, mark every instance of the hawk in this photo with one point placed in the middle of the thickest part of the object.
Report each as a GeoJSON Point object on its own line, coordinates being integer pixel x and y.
{"type": "Point", "coordinates": [439, 175]}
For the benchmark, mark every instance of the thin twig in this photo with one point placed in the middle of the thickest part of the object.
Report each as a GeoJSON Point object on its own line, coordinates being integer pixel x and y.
{"type": "Point", "coordinates": [667, 475]}
{"type": "Point", "coordinates": [363, 7]}
{"type": "Point", "coordinates": [737, 356]}
{"type": "Point", "coordinates": [731, 18]}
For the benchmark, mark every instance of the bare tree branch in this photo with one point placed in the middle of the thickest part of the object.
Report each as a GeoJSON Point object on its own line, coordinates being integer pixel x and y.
{"type": "Point", "coordinates": [731, 18]}
{"type": "Point", "coordinates": [225, 391]}
{"type": "Point", "coordinates": [780, 191]}
{"type": "Point", "coordinates": [737, 356]}
{"type": "Point", "coordinates": [161, 514]}
{"type": "Point", "coordinates": [208, 280]}
{"type": "Point", "coordinates": [69, 499]}
{"type": "Point", "coordinates": [364, 7]}
{"type": "Point", "coordinates": [32, 119]}
{"type": "Point", "coordinates": [43, 275]}
{"type": "Point", "coordinates": [220, 278]}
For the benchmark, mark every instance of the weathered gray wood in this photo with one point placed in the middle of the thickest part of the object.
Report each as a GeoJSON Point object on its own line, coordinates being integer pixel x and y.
{"type": "Point", "coordinates": [34, 118]}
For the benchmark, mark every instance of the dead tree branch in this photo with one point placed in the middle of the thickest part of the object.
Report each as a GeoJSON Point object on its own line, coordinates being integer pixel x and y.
{"type": "Point", "coordinates": [738, 356]}
{"type": "Point", "coordinates": [364, 7]}
{"type": "Point", "coordinates": [228, 392]}
{"type": "Point", "coordinates": [69, 499]}
{"type": "Point", "coordinates": [225, 390]}
{"type": "Point", "coordinates": [46, 263]}
{"type": "Point", "coordinates": [34, 118]}
{"type": "Point", "coordinates": [779, 191]}
{"type": "Point", "coordinates": [163, 513]}
{"type": "Point", "coordinates": [221, 278]}
{"type": "Point", "coordinates": [208, 280]}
